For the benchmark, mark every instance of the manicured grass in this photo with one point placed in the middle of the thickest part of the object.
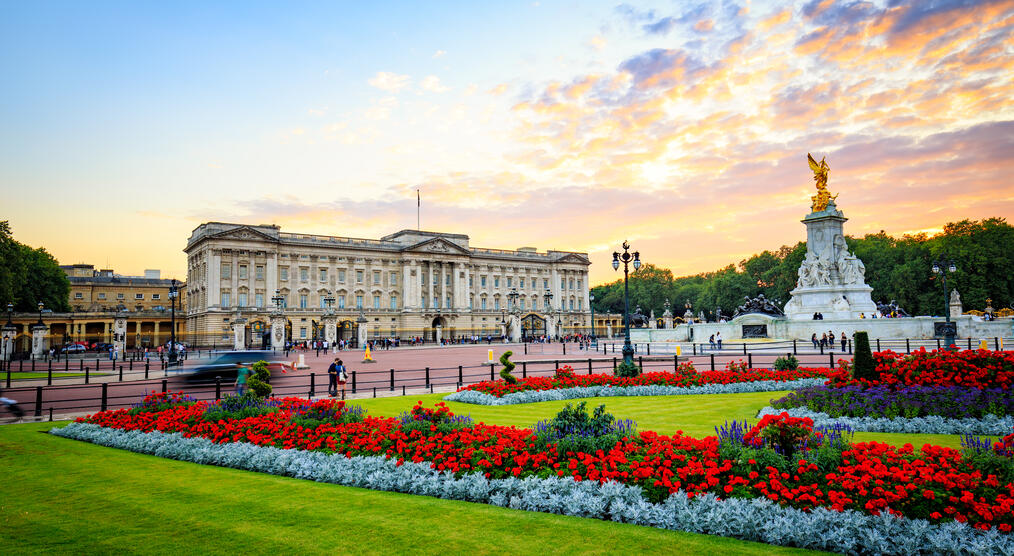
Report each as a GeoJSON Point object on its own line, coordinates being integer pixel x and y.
{"type": "Point", "coordinates": [695, 415]}
{"type": "Point", "coordinates": [56, 374]}
{"type": "Point", "coordinates": [67, 497]}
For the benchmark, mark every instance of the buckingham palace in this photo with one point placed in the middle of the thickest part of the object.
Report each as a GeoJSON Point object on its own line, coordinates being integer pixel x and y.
{"type": "Point", "coordinates": [260, 286]}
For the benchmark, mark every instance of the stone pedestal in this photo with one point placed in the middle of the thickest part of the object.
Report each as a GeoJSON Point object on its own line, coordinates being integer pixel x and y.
{"type": "Point", "coordinates": [277, 332]}
{"type": "Point", "coordinates": [361, 333]}
{"type": "Point", "coordinates": [609, 330]}
{"type": "Point", "coordinates": [330, 329]}
{"type": "Point", "coordinates": [7, 335]}
{"type": "Point", "coordinates": [39, 340]}
{"type": "Point", "coordinates": [514, 325]}
{"type": "Point", "coordinates": [120, 333]}
{"type": "Point", "coordinates": [831, 280]}
{"type": "Point", "coordinates": [438, 334]}
{"type": "Point", "coordinates": [238, 333]}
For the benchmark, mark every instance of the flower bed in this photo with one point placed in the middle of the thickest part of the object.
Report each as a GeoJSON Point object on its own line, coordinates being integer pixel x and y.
{"type": "Point", "coordinates": [941, 368]}
{"type": "Point", "coordinates": [952, 402]}
{"type": "Point", "coordinates": [935, 484]}
{"type": "Point", "coordinates": [685, 376]}
{"type": "Point", "coordinates": [934, 424]}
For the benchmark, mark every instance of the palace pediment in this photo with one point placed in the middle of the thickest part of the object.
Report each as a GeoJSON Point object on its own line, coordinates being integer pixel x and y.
{"type": "Point", "coordinates": [244, 233]}
{"type": "Point", "coordinates": [437, 246]}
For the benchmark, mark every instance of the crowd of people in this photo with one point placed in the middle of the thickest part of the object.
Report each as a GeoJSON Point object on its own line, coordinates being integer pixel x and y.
{"type": "Point", "coordinates": [827, 341]}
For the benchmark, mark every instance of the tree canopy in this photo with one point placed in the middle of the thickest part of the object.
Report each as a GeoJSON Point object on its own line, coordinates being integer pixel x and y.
{"type": "Point", "coordinates": [28, 276]}
{"type": "Point", "coordinates": [896, 268]}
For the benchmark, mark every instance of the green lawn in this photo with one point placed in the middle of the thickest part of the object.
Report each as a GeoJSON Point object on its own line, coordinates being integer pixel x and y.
{"type": "Point", "coordinates": [63, 496]}
{"type": "Point", "coordinates": [67, 497]}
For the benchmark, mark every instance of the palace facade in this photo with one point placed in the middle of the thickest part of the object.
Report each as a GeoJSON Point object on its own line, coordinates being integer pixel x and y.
{"type": "Point", "coordinates": [408, 284]}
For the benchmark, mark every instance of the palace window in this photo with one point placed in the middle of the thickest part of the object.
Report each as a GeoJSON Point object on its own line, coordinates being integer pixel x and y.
{"type": "Point", "coordinates": [119, 296]}
{"type": "Point", "coordinates": [436, 302]}
{"type": "Point", "coordinates": [283, 273]}
{"type": "Point", "coordinates": [563, 283]}
{"type": "Point", "coordinates": [508, 281]}
{"type": "Point", "coordinates": [302, 333]}
{"type": "Point", "coordinates": [242, 272]}
{"type": "Point", "coordinates": [579, 284]}
{"type": "Point", "coordinates": [259, 272]}
{"type": "Point", "coordinates": [304, 274]}
{"type": "Point", "coordinates": [471, 301]}
{"type": "Point", "coordinates": [226, 271]}
{"type": "Point", "coordinates": [571, 304]}
{"type": "Point", "coordinates": [226, 299]}
{"type": "Point", "coordinates": [436, 279]}
{"type": "Point", "coordinates": [359, 276]}
{"type": "Point", "coordinates": [521, 283]}
{"type": "Point", "coordinates": [394, 302]}
{"type": "Point", "coordinates": [341, 276]}
{"type": "Point", "coordinates": [341, 301]}
{"type": "Point", "coordinates": [394, 279]}
{"type": "Point", "coordinates": [323, 275]}
{"type": "Point", "coordinates": [545, 283]}
{"type": "Point", "coordinates": [138, 296]}
{"type": "Point", "coordinates": [571, 283]}
{"type": "Point", "coordinates": [241, 299]}
{"type": "Point", "coordinates": [496, 281]}
{"type": "Point", "coordinates": [496, 303]}
{"type": "Point", "coordinates": [302, 301]}
{"type": "Point", "coordinates": [483, 303]}
{"type": "Point", "coordinates": [422, 302]}
{"type": "Point", "coordinates": [376, 302]}
{"type": "Point", "coordinates": [447, 280]}
{"type": "Point", "coordinates": [79, 295]}
{"type": "Point", "coordinates": [482, 281]}
{"type": "Point", "coordinates": [376, 277]}
{"type": "Point", "coordinates": [448, 302]}
{"type": "Point", "coordinates": [259, 299]}
{"type": "Point", "coordinates": [470, 282]}
{"type": "Point", "coordinates": [359, 302]}
{"type": "Point", "coordinates": [153, 296]}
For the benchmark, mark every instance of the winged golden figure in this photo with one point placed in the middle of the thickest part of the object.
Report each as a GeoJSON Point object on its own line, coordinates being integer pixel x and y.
{"type": "Point", "coordinates": [820, 170]}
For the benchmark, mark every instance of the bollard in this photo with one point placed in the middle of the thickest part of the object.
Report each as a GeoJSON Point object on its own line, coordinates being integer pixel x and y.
{"type": "Point", "coordinates": [461, 379]}
{"type": "Point", "coordinates": [938, 343]}
{"type": "Point", "coordinates": [526, 349]}
{"type": "Point", "coordinates": [712, 361]}
{"type": "Point", "coordinates": [648, 348]}
{"type": "Point", "coordinates": [146, 364]}
{"type": "Point", "coordinates": [427, 376]}
{"type": "Point", "coordinates": [49, 375]}
{"type": "Point", "coordinates": [749, 361]}
{"type": "Point", "coordinates": [131, 365]}
{"type": "Point", "coordinates": [794, 351]}
{"type": "Point", "coordinates": [353, 382]}
{"type": "Point", "coordinates": [614, 364]}
{"type": "Point", "coordinates": [491, 375]}
{"type": "Point", "coordinates": [878, 344]}
{"type": "Point", "coordinates": [402, 389]}
{"type": "Point", "coordinates": [565, 348]}
{"type": "Point", "coordinates": [589, 366]}
{"type": "Point", "coordinates": [675, 362]}
{"type": "Point", "coordinates": [313, 385]}
{"type": "Point", "coordinates": [822, 349]}
{"type": "Point", "coordinates": [556, 365]}
{"type": "Point", "coordinates": [33, 363]}
{"type": "Point", "coordinates": [38, 401]}
{"type": "Point", "coordinates": [695, 348]}
{"type": "Point", "coordinates": [50, 414]}
{"type": "Point", "coordinates": [165, 386]}
{"type": "Point", "coordinates": [524, 369]}
{"type": "Point", "coordinates": [830, 360]}
{"type": "Point", "coordinates": [121, 373]}
{"type": "Point", "coordinates": [744, 348]}
{"type": "Point", "coordinates": [8, 376]}
{"type": "Point", "coordinates": [86, 375]}
{"type": "Point", "coordinates": [640, 362]}
{"type": "Point", "coordinates": [218, 387]}
{"type": "Point", "coordinates": [908, 347]}
{"type": "Point", "coordinates": [66, 364]}
{"type": "Point", "coordinates": [374, 391]}
{"type": "Point", "coordinates": [996, 343]}
{"type": "Point", "coordinates": [969, 342]}
{"type": "Point", "coordinates": [392, 380]}
{"type": "Point", "coordinates": [105, 396]}
{"type": "Point", "coordinates": [850, 346]}
{"type": "Point", "coordinates": [431, 388]}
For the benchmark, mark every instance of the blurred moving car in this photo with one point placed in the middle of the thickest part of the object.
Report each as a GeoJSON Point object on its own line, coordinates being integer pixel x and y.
{"type": "Point", "coordinates": [73, 348]}
{"type": "Point", "coordinates": [225, 365]}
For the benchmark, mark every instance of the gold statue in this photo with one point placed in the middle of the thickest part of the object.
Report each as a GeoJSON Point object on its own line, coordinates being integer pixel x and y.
{"type": "Point", "coordinates": [821, 199]}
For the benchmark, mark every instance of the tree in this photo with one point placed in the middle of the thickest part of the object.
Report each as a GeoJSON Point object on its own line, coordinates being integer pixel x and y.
{"type": "Point", "coordinates": [28, 276]}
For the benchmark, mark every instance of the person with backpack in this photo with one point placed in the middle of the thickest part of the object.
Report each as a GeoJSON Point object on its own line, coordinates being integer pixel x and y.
{"type": "Point", "coordinates": [343, 377]}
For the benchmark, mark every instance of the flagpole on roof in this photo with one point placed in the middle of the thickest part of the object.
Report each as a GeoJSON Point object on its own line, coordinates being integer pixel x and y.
{"type": "Point", "coordinates": [418, 203]}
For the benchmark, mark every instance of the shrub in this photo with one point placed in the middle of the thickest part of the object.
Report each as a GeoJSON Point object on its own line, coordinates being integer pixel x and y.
{"type": "Point", "coordinates": [335, 412]}
{"type": "Point", "coordinates": [863, 366]}
{"type": "Point", "coordinates": [259, 381]}
{"type": "Point", "coordinates": [428, 420]}
{"type": "Point", "coordinates": [574, 430]}
{"type": "Point", "coordinates": [628, 370]}
{"type": "Point", "coordinates": [737, 366]}
{"type": "Point", "coordinates": [787, 363]}
{"type": "Point", "coordinates": [238, 407]}
{"type": "Point", "coordinates": [160, 401]}
{"type": "Point", "coordinates": [565, 371]}
{"type": "Point", "coordinates": [505, 373]}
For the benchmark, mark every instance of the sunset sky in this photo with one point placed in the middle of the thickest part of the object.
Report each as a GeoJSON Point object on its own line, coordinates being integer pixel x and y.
{"type": "Point", "coordinates": [574, 125]}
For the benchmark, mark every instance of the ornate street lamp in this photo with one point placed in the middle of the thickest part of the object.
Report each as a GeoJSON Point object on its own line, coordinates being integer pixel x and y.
{"type": "Point", "coordinates": [942, 268]}
{"type": "Point", "coordinates": [626, 257]}
{"type": "Point", "coordinates": [277, 299]}
{"type": "Point", "coordinates": [591, 305]}
{"type": "Point", "coordinates": [512, 300]}
{"type": "Point", "coordinates": [42, 306]}
{"type": "Point", "coordinates": [329, 303]}
{"type": "Point", "coordinates": [548, 298]}
{"type": "Point", "coordinates": [174, 292]}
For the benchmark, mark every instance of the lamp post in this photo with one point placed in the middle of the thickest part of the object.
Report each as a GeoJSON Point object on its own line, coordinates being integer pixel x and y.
{"type": "Point", "coordinates": [174, 292]}
{"type": "Point", "coordinates": [942, 268]}
{"type": "Point", "coordinates": [8, 336]}
{"type": "Point", "coordinates": [591, 305]}
{"type": "Point", "coordinates": [626, 258]}
{"type": "Point", "coordinates": [548, 298]}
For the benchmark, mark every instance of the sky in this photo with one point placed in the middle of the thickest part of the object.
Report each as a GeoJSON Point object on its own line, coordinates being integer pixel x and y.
{"type": "Point", "coordinates": [678, 126]}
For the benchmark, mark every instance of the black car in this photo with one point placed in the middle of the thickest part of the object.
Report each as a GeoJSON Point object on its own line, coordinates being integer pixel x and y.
{"type": "Point", "coordinates": [225, 365]}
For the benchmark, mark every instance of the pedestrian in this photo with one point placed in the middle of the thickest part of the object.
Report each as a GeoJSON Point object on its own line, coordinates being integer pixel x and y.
{"type": "Point", "coordinates": [343, 377]}
{"type": "Point", "coordinates": [814, 340]}
{"type": "Point", "coordinates": [711, 341]}
{"type": "Point", "coordinates": [718, 339]}
{"type": "Point", "coordinates": [332, 378]}
{"type": "Point", "coordinates": [242, 372]}
{"type": "Point", "coordinates": [844, 341]}
{"type": "Point", "coordinates": [823, 340]}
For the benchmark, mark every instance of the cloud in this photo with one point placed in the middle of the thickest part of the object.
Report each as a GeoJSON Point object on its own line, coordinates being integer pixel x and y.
{"type": "Point", "coordinates": [432, 84]}
{"type": "Point", "coordinates": [598, 42]}
{"type": "Point", "coordinates": [439, 53]}
{"type": "Point", "coordinates": [390, 82]}
{"type": "Point", "coordinates": [499, 89]}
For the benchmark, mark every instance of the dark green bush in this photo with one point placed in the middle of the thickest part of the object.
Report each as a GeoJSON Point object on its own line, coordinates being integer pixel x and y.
{"type": "Point", "coordinates": [505, 373]}
{"type": "Point", "coordinates": [787, 363]}
{"type": "Point", "coordinates": [259, 381]}
{"type": "Point", "coordinates": [574, 430]}
{"type": "Point", "coordinates": [627, 370]}
{"type": "Point", "coordinates": [863, 365]}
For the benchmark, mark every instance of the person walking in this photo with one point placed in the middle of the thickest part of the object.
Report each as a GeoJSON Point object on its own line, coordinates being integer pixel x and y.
{"type": "Point", "coordinates": [343, 377]}
{"type": "Point", "coordinates": [242, 373]}
{"type": "Point", "coordinates": [332, 378]}
{"type": "Point", "coordinates": [12, 406]}
{"type": "Point", "coordinates": [814, 340]}
{"type": "Point", "coordinates": [823, 340]}
{"type": "Point", "coordinates": [711, 341]}
{"type": "Point", "coordinates": [844, 341]}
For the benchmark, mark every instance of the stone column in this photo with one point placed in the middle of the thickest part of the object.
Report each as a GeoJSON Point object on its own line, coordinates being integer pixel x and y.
{"type": "Point", "coordinates": [120, 333]}
{"type": "Point", "coordinates": [215, 279]}
{"type": "Point", "coordinates": [406, 285]}
{"type": "Point", "coordinates": [238, 333]}
{"type": "Point", "coordinates": [277, 332]}
{"type": "Point", "coordinates": [330, 329]}
{"type": "Point", "coordinates": [362, 332]}
{"type": "Point", "coordinates": [7, 335]}
{"type": "Point", "coordinates": [39, 340]}
{"type": "Point", "coordinates": [270, 277]}
{"type": "Point", "coordinates": [609, 329]}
